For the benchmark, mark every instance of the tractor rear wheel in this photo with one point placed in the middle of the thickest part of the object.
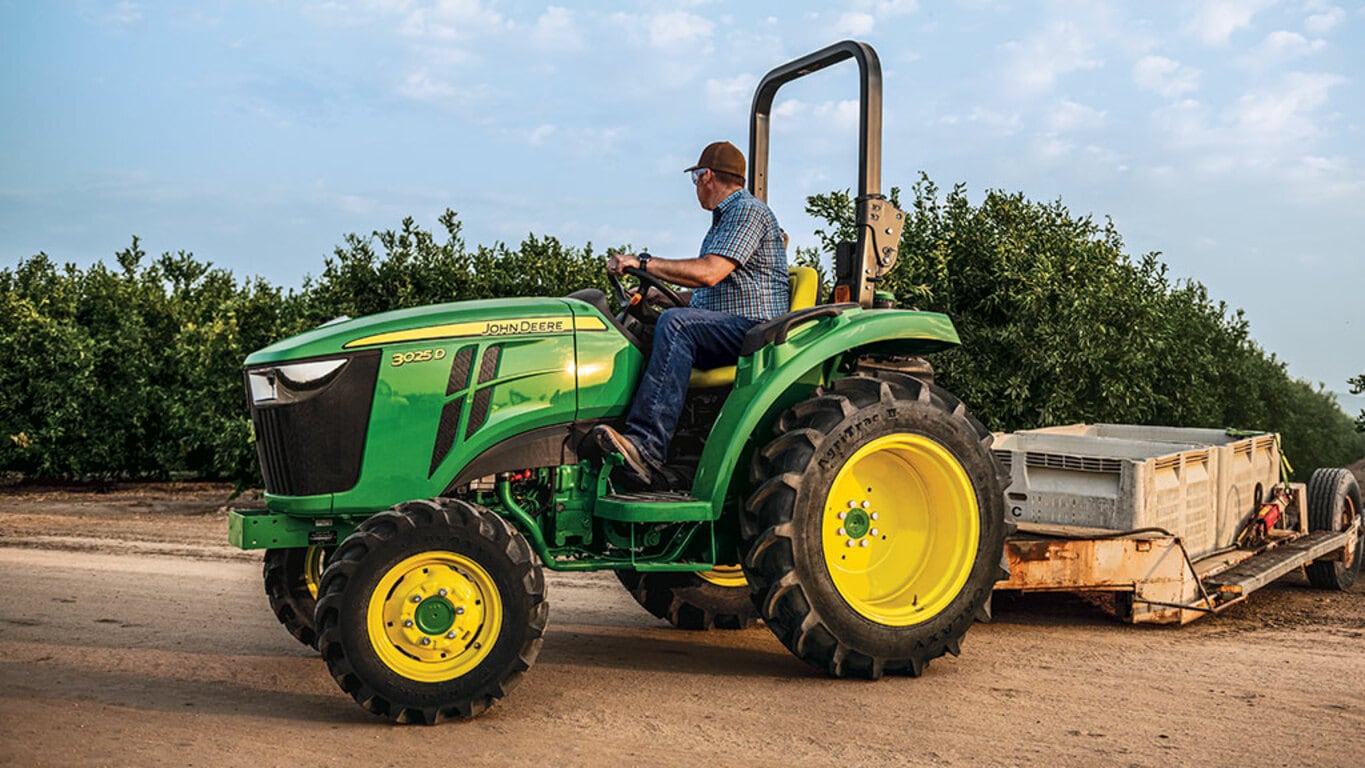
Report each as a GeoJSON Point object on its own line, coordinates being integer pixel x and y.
{"type": "Point", "coordinates": [715, 599]}
{"type": "Point", "coordinates": [431, 610]}
{"type": "Point", "coordinates": [875, 532]}
{"type": "Point", "coordinates": [291, 582]}
{"type": "Point", "coordinates": [1334, 505]}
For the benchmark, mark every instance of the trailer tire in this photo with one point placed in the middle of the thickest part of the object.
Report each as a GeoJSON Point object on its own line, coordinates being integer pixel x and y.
{"type": "Point", "coordinates": [431, 610]}
{"type": "Point", "coordinates": [291, 580]}
{"type": "Point", "coordinates": [1334, 505]}
{"type": "Point", "coordinates": [717, 599]}
{"type": "Point", "coordinates": [858, 594]}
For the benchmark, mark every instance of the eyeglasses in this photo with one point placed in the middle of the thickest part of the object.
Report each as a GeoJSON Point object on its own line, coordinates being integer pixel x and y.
{"type": "Point", "coordinates": [698, 174]}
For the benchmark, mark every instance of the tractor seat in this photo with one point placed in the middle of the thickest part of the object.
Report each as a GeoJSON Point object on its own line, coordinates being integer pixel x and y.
{"type": "Point", "coordinates": [805, 287]}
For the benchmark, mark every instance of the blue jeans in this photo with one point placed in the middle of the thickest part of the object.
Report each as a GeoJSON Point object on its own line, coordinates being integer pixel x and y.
{"type": "Point", "coordinates": [684, 338]}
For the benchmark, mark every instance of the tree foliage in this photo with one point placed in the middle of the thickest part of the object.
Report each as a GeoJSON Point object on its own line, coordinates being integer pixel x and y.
{"type": "Point", "coordinates": [1059, 325]}
{"type": "Point", "coordinates": [135, 370]}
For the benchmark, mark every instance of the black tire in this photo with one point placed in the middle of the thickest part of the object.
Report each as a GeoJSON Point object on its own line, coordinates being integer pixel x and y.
{"type": "Point", "coordinates": [377, 655]}
{"type": "Point", "coordinates": [1334, 505]}
{"type": "Point", "coordinates": [690, 601]}
{"type": "Point", "coordinates": [291, 582]}
{"type": "Point", "coordinates": [789, 518]}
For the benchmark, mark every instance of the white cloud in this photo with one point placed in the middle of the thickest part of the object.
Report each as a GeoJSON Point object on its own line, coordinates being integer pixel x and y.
{"type": "Point", "coordinates": [1003, 123]}
{"type": "Point", "coordinates": [556, 30]}
{"type": "Point", "coordinates": [1284, 113]}
{"type": "Point", "coordinates": [896, 7]}
{"type": "Point", "coordinates": [451, 20]}
{"type": "Point", "coordinates": [792, 114]}
{"type": "Point", "coordinates": [1165, 77]}
{"type": "Point", "coordinates": [1059, 48]}
{"type": "Point", "coordinates": [1068, 116]}
{"type": "Point", "coordinates": [1325, 21]}
{"type": "Point", "coordinates": [677, 29]}
{"type": "Point", "coordinates": [539, 134]}
{"type": "Point", "coordinates": [124, 14]}
{"type": "Point", "coordinates": [854, 24]}
{"type": "Point", "coordinates": [729, 94]}
{"type": "Point", "coordinates": [1216, 20]}
{"type": "Point", "coordinates": [422, 86]}
{"type": "Point", "coordinates": [1282, 46]}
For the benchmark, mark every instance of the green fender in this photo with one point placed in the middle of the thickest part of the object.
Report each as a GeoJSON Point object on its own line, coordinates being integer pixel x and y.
{"type": "Point", "coordinates": [810, 356]}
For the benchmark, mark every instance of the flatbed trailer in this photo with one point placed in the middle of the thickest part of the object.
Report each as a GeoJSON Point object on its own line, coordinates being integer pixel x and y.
{"type": "Point", "coordinates": [1173, 524]}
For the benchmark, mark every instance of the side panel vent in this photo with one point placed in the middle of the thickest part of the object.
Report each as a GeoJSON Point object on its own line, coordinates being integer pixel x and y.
{"type": "Point", "coordinates": [445, 433]}
{"type": "Point", "coordinates": [488, 369]}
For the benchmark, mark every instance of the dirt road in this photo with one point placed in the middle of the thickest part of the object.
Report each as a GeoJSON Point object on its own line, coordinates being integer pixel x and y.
{"type": "Point", "coordinates": [165, 653]}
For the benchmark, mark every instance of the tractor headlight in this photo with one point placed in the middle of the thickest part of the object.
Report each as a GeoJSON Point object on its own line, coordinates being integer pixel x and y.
{"type": "Point", "coordinates": [293, 381]}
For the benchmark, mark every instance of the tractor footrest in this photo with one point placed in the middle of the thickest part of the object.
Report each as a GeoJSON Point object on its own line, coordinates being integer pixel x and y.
{"type": "Point", "coordinates": [652, 507]}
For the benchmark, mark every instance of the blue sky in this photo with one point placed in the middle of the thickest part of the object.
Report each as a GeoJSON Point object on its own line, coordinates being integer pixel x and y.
{"type": "Point", "coordinates": [1228, 135]}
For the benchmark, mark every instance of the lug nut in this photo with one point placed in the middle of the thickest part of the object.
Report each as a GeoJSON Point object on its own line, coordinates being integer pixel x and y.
{"type": "Point", "coordinates": [417, 598]}
{"type": "Point", "coordinates": [426, 641]}
{"type": "Point", "coordinates": [848, 542]}
{"type": "Point", "coordinates": [863, 543]}
{"type": "Point", "coordinates": [875, 532]}
{"type": "Point", "coordinates": [842, 515]}
{"type": "Point", "coordinates": [408, 623]}
{"type": "Point", "coordinates": [459, 611]}
{"type": "Point", "coordinates": [866, 503]}
{"type": "Point", "coordinates": [873, 515]}
{"type": "Point", "coordinates": [842, 532]}
{"type": "Point", "coordinates": [852, 503]}
{"type": "Point", "coordinates": [441, 592]}
{"type": "Point", "coordinates": [450, 635]}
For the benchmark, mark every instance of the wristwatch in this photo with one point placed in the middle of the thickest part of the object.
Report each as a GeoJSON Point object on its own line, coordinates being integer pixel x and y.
{"type": "Point", "coordinates": [644, 261]}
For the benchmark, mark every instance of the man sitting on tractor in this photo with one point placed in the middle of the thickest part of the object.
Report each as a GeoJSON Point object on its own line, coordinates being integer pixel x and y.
{"type": "Point", "coordinates": [740, 280]}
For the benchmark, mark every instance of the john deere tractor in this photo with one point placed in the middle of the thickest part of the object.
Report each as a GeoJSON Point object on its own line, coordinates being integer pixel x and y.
{"type": "Point", "coordinates": [422, 467]}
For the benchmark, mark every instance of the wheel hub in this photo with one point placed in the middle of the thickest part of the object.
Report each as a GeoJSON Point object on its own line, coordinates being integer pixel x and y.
{"type": "Point", "coordinates": [435, 616]}
{"type": "Point", "coordinates": [900, 530]}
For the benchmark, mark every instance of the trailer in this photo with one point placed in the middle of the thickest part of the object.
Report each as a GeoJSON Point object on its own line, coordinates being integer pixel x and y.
{"type": "Point", "coordinates": [1171, 523]}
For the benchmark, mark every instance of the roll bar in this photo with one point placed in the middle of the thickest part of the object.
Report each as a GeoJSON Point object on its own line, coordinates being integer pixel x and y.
{"type": "Point", "coordinates": [859, 264]}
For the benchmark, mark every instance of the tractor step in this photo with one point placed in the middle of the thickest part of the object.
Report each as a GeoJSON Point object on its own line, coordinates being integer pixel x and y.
{"type": "Point", "coordinates": [1272, 564]}
{"type": "Point", "coordinates": [653, 507]}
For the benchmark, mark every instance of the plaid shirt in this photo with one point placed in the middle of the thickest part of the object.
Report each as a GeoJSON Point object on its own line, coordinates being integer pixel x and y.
{"type": "Point", "coordinates": [745, 231]}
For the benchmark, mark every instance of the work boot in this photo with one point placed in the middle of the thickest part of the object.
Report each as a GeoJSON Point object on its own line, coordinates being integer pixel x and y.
{"type": "Point", "coordinates": [611, 441]}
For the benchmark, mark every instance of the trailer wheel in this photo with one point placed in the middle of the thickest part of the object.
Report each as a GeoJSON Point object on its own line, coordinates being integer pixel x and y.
{"type": "Point", "coordinates": [1334, 505]}
{"type": "Point", "coordinates": [431, 610]}
{"type": "Point", "coordinates": [875, 534]}
{"type": "Point", "coordinates": [715, 599]}
{"type": "Point", "coordinates": [291, 578]}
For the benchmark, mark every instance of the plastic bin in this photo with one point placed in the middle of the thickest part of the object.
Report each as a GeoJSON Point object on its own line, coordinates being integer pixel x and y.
{"type": "Point", "coordinates": [1199, 484]}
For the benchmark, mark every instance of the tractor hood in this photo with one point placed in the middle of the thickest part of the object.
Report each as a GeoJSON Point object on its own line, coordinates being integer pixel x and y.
{"type": "Point", "coordinates": [467, 319]}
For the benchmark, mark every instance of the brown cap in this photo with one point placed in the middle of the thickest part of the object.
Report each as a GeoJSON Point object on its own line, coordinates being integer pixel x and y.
{"type": "Point", "coordinates": [721, 156]}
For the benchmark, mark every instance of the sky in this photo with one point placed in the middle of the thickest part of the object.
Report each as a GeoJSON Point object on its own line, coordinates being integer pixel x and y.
{"type": "Point", "coordinates": [1227, 134]}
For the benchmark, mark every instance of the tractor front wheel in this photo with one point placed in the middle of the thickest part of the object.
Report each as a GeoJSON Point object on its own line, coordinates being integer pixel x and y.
{"type": "Point", "coordinates": [876, 528]}
{"type": "Point", "coordinates": [291, 582]}
{"type": "Point", "coordinates": [431, 610]}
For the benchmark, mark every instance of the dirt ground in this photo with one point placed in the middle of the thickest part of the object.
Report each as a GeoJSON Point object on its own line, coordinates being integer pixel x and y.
{"type": "Point", "coordinates": [132, 634]}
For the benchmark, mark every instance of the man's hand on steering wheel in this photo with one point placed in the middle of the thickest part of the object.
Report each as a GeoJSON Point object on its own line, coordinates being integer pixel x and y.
{"type": "Point", "coordinates": [645, 304]}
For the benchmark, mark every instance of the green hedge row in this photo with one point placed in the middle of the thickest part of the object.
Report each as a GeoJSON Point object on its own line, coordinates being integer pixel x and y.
{"type": "Point", "coordinates": [135, 371]}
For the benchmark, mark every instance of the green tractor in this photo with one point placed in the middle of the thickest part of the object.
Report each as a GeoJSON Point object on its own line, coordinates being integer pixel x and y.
{"type": "Point", "coordinates": [422, 467]}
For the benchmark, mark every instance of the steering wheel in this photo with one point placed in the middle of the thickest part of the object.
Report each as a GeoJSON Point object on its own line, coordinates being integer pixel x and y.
{"type": "Point", "coordinates": [636, 304]}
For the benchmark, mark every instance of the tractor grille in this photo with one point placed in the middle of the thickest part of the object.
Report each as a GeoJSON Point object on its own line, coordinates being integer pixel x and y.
{"type": "Point", "coordinates": [312, 442]}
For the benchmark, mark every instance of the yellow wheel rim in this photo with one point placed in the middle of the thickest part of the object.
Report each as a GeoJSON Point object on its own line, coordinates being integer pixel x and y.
{"type": "Point", "coordinates": [724, 576]}
{"type": "Point", "coordinates": [434, 616]}
{"type": "Point", "coordinates": [312, 569]}
{"type": "Point", "coordinates": [900, 529]}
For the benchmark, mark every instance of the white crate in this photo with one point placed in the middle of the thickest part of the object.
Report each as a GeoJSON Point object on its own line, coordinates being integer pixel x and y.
{"type": "Point", "coordinates": [1199, 484]}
